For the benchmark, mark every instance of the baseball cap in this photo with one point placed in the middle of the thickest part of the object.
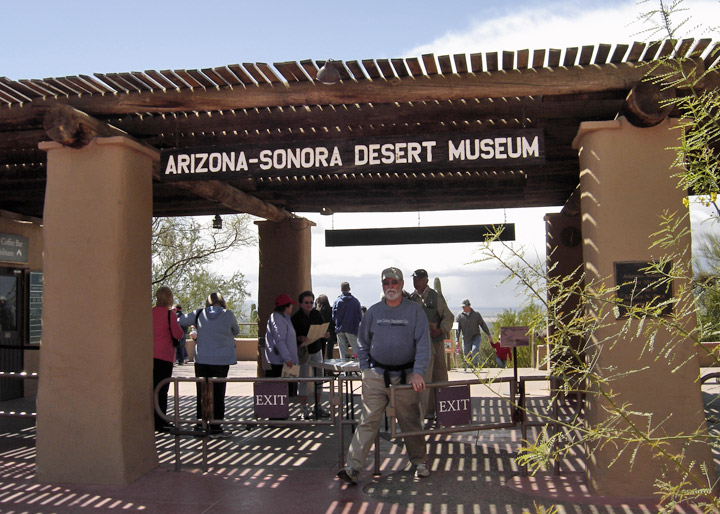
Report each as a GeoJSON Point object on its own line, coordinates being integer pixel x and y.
{"type": "Point", "coordinates": [420, 273]}
{"type": "Point", "coordinates": [466, 302]}
{"type": "Point", "coordinates": [283, 299]}
{"type": "Point", "coordinates": [391, 273]}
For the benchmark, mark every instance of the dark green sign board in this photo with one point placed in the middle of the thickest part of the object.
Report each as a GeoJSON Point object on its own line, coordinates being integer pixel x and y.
{"type": "Point", "coordinates": [638, 287]}
{"type": "Point", "coordinates": [431, 152]}
{"type": "Point", "coordinates": [13, 248]}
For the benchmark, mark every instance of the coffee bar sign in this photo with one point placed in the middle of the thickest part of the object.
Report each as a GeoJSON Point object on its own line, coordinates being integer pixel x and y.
{"type": "Point", "coordinates": [13, 248]}
{"type": "Point", "coordinates": [438, 152]}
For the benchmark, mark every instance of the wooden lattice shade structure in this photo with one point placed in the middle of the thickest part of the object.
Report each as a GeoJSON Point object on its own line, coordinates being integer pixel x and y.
{"type": "Point", "coordinates": [257, 103]}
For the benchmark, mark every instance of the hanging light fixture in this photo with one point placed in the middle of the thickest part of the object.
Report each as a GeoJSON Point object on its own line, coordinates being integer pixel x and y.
{"type": "Point", "coordinates": [217, 222]}
{"type": "Point", "coordinates": [329, 73]}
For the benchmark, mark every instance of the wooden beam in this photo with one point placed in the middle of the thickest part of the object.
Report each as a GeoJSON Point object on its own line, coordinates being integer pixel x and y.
{"type": "Point", "coordinates": [21, 218]}
{"type": "Point", "coordinates": [73, 128]}
{"type": "Point", "coordinates": [646, 104]}
{"type": "Point", "coordinates": [498, 84]}
{"type": "Point", "coordinates": [234, 199]}
{"type": "Point", "coordinates": [366, 115]}
{"type": "Point", "coordinates": [70, 127]}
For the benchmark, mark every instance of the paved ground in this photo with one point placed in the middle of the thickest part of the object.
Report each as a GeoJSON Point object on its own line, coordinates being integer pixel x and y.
{"type": "Point", "coordinates": [292, 469]}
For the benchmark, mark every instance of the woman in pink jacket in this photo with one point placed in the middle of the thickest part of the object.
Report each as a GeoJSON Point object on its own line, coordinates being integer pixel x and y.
{"type": "Point", "coordinates": [165, 328]}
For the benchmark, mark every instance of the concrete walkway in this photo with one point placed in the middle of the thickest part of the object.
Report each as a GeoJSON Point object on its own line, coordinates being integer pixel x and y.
{"type": "Point", "coordinates": [292, 469]}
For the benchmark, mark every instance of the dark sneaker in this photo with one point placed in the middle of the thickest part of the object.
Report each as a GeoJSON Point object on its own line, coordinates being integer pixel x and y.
{"type": "Point", "coordinates": [220, 434]}
{"type": "Point", "coordinates": [322, 412]}
{"type": "Point", "coordinates": [422, 471]}
{"type": "Point", "coordinates": [348, 475]}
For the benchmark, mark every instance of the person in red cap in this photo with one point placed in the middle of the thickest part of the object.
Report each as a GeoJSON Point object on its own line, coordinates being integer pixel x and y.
{"type": "Point", "coordinates": [280, 338]}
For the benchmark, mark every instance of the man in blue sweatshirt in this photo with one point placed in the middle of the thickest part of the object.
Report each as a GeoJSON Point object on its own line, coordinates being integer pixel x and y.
{"type": "Point", "coordinates": [393, 348]}
{"type": "Point", "coordinates": [346, 315]}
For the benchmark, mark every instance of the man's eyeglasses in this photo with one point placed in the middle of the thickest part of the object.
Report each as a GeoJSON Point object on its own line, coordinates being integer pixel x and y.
{"type": "Point", "coordinates": [388, 282]}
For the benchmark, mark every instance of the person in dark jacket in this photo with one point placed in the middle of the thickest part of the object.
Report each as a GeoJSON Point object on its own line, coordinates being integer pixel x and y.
{"type": "Point", "coordinates": [308, 350]}
{"type": "Point", "coordinates": [346, 314]}
{"type": "Point", "coordinates": [323, 305]}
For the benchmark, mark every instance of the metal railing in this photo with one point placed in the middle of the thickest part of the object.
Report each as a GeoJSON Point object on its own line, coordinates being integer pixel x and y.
{"type": "Point", "coordinates": [201, 426]}
{"type": "Point", "coordinates": [706, 377]}
{"type": "Point", "coordinates": [346, 388]}
{"type": "Point", "coordinates": [21, 375]}
{"type": "Point", "coordinates": [460, 428]}
{"type": "Point", "coordinates": [341, 415]}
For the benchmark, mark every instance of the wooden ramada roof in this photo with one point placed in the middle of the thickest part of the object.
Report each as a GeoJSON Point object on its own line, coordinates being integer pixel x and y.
{"type": "Point", "coordinates": [260, 103]}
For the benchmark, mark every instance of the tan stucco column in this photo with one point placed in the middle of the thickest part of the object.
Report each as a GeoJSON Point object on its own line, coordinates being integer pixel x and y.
{"type": "Point", "coordinates": [626, 184]}
{"type": "Point", "coordinates": [564, 263]}
{"type": "Point", "coordinates": [94, 423]}
{"type": "Point", "coordinates": [285, 260]}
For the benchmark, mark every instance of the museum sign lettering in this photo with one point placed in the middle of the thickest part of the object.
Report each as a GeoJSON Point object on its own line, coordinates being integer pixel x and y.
{"type": "Point", "coordinates": [440, 152]}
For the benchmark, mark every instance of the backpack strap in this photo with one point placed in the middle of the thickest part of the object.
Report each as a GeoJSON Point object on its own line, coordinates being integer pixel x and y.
{"type": "Point", "coordinates": [175, 342]}
{"type": "Point", "coordinates": [170, 324]}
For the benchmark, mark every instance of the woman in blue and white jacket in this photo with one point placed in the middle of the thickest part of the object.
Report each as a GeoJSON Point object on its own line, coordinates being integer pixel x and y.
{"type": "Point", "coordinates": [214, 351]}
{"type": "Point", "coordinates": [280, 338]}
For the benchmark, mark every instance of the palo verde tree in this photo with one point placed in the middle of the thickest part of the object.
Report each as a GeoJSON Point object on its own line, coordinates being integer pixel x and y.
{"type": "Point", "coordinates": [183, 250]}
{"type": "Point", "coordinates": [603, 318]}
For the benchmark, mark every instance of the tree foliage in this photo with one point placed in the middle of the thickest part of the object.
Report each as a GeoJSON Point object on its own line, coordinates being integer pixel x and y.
{"type": "Point", "coordinates": [630, 430]}
{"type": "Point", "coordinates": [531, 315]}
{"type": "Point", "coordinates": [707, 287]}
{"type": "Point", "coordinates": [183, 250]}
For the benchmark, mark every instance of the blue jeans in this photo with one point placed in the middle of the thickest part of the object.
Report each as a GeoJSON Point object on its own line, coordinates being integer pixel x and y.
{"type": "Point", "coordinates": [472, 347]}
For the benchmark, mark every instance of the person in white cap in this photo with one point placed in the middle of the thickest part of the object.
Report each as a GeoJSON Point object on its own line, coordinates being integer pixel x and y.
{"type": "Point", "coordinates": [393, 348]}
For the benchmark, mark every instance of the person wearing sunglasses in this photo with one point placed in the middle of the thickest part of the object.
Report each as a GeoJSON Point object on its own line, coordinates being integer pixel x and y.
{"type": "Point", "coordinates": [393, 349]}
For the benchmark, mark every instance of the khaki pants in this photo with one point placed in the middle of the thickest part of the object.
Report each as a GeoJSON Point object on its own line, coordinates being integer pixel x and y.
{"type": "Point", "coordinates": [436, 372]}
{"type": "Point", "coordinates": [375, 397]}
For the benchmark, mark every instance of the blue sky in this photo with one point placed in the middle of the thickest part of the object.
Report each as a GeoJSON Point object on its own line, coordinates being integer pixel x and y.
{"type": "Point", "coordinates": [53, 39]}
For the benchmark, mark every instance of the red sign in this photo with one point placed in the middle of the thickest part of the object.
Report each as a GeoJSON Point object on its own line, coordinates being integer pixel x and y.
{"type": "Point", "coordinates": [452, 405]}
{"type": "Point", "coordinates": [271, 400]}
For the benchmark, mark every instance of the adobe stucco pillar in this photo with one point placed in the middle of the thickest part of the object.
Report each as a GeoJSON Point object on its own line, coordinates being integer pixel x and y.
{"type": "Point", "coordinates": [626, 184]}
{"type": "Point", "coordinates": [285, 261]}
{"type": "Point", "coordinates": [564, 264]}
{"type": "Point", "coordinates": [94, 423]}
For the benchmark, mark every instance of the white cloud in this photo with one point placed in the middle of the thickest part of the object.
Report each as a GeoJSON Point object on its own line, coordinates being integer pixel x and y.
{"type": "Point", "coordinates": [556, 25]}
{"type": "Point", "coordinates": [565, 24]}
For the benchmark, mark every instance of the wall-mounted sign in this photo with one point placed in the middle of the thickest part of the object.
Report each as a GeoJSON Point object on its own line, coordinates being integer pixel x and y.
{"type": "Point", "coordinates": [419, 235]}
{"type": "Point", "coordinates": [452, 405]}
{"type": "Point", "coordinates": [638, 287]}
{"type": "Point", "coordinates": [271, 400]}
{"type": "Point", "coordinates": [511, 337]}
{"type": "Point", "coordinates": [13, 248]}
{"type": "Point", "coordinates": [436, 152]}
